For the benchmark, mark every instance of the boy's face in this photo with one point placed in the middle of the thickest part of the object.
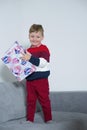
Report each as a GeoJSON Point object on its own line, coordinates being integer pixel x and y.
{"type": "Point", "coordinates": [35, 38]}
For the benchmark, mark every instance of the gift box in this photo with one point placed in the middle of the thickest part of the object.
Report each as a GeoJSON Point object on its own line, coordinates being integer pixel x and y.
{"type": "Point", "coordinates": [19, 67]}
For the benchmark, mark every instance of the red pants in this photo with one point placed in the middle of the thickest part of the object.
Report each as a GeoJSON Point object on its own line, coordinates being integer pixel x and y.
{"type": "Point", "coordinates": [38, 89]}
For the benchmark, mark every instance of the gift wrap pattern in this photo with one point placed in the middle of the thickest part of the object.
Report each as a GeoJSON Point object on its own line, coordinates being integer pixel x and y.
{"type": "Point", "coordinates": [12, 59]}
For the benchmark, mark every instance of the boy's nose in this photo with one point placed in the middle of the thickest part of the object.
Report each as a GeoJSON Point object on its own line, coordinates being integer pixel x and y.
{"type": "Point", "coordinates": [35, 39]}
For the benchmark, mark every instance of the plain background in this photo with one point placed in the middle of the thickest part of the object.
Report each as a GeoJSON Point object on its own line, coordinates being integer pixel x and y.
{"type": "Point", "coordinates": [65, 25]}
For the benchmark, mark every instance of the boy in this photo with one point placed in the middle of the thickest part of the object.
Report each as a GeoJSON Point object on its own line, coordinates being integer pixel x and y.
{"type": "Point", "coordinates": [37, 84]}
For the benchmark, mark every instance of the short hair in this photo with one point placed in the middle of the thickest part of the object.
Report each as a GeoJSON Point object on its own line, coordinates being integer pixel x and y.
{"type": "Point", "coordinates": [36, 28]}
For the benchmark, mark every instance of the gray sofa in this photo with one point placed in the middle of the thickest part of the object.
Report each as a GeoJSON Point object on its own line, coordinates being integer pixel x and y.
{"type": "Point", "coordinates": [69, 110]}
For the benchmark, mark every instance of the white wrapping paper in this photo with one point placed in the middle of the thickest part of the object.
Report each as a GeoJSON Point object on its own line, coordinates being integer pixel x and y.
{"type": "Point", "coordinates": [19, 68]}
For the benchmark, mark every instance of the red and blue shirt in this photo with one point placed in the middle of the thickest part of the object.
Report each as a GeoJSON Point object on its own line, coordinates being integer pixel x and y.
{"type": "Point", "coordinates": [40, 58]}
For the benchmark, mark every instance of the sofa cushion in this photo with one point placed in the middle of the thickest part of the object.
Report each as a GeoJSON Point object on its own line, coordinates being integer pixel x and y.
{"type": "Point", "coordinates": [61, 121]}
{"type": "Point", "coordinates": [64, 116]}
{"type": "Point", "coordinates": [66, 125]}
{"type": "Point", "coordinates": [12, 101]}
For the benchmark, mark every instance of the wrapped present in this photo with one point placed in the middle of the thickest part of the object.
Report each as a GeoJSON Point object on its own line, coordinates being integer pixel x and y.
{"type": "Point", "coordinates": [19, 67]}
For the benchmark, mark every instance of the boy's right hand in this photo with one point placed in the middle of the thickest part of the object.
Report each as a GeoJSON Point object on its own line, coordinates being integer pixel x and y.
{"type": "Point", "coordinates": [26, 56]}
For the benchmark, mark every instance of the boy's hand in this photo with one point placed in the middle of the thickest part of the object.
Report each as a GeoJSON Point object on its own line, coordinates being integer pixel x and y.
{"type": "Point", "coordinates": [26, 56]}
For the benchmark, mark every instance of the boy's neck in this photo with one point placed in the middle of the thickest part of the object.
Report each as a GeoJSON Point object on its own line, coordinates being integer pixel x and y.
{"type": "Point", "coordinates": [33, 46]}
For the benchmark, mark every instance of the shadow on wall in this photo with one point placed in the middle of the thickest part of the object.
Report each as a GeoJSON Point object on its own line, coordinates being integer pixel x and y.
{"type": "Point", "coordinates": [7, 75]}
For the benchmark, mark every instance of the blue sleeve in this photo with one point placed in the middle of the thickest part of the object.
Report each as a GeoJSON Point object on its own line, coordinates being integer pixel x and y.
{"type": "Point", "coordinates": [34, 60]}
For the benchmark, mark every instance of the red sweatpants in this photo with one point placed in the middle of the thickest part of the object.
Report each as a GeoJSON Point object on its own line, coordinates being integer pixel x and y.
{"type": "Point", "coordinates": [38, 89]}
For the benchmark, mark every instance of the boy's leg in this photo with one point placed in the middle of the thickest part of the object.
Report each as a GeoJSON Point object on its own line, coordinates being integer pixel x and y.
{"type": "Point", "coordinates": [43, 97]}
{"type": "Point", "coordinates": [31, 101]}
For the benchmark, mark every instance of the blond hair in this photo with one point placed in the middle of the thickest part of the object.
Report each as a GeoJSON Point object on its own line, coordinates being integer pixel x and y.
{"type": "Point", "coordinates": [36, 28]}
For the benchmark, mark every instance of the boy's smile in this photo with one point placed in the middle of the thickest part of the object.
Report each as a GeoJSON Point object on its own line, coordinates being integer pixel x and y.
{"type": "Point", "coordinates": [35, 38]}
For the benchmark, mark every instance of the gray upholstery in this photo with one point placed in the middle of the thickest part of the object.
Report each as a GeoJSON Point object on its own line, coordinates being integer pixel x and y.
{"type": "Point", "coordinates": [12, 101]}
{"type": "Point", "coordinates": [69, 110]}
{"type": "Point", "coordinates": [74, 101]}
{"type": "Point", "coordinates": [66, 125]}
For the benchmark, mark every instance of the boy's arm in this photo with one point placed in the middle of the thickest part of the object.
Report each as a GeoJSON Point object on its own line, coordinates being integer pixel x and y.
{"type": "Point", "coordinates": [40, 62]}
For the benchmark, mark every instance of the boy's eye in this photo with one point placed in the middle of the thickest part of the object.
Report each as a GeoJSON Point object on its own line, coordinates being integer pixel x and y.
{"type": "Point", "coordinates": [38, 37]}
{"type": "Point", "coordinates": [32, 36]}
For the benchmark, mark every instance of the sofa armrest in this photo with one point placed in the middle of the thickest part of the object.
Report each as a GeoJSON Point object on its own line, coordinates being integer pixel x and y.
{"type": "Point", "coordinates": [74, 101]}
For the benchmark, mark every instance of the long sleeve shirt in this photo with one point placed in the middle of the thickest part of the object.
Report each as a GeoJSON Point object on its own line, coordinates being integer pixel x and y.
{"type": "Point", "coordinates": [40, 57]}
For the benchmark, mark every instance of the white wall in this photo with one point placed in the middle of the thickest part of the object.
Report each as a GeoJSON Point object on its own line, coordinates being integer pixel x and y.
{"type": "Point", "coordinates": [65, 24]}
